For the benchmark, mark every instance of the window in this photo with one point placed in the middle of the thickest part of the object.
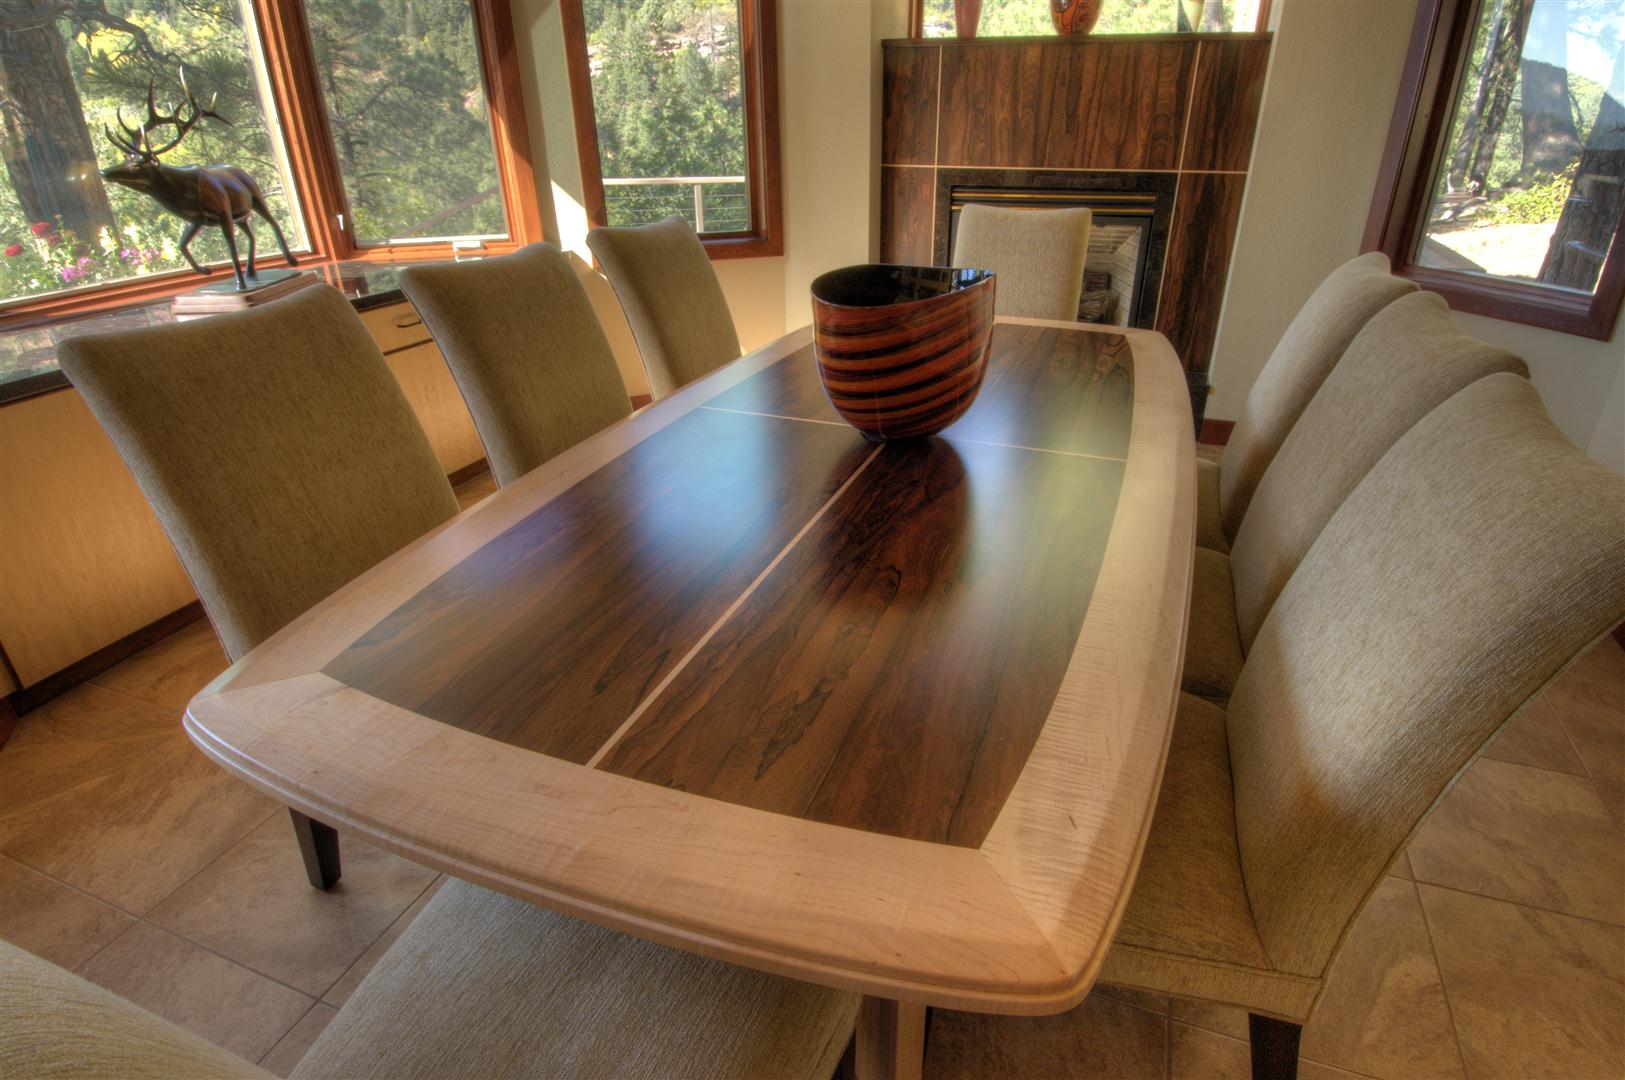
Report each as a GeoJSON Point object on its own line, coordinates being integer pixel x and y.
{"type": "Point", "coordinates": [1504, 184]}
{"type": "Point", "coordinates": [1031, 18]}
{"type": "Point", "coordinates": [376, 130]}
{"type": "Point", "coordinates": [676, 112]}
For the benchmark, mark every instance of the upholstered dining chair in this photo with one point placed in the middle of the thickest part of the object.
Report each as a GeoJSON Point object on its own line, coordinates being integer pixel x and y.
{"type": "Point", "coordinates": [478, 985]}
{"type": "Point", "coordinates": [1478, 558]}
{"type": "Point", "coordinates": [1313, 341]}
{"type": "Point", "coordinates": [672, 299]}
{"type": "Point", "coordinates": [280, 456]}
{"type": "Point", "coordinates": [1407, 360]}
{"type": "Point", "coordinates": [521, 339]}
{"type": "Point", "coordinates": [1036, 255]}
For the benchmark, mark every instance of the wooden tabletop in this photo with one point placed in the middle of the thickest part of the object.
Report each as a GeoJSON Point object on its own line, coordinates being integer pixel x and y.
{"type": "Point", "coordinates": [727, 676]}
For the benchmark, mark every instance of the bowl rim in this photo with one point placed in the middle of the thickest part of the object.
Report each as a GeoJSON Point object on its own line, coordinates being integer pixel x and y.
{"type": "Point", "coordinates": [812, 288]}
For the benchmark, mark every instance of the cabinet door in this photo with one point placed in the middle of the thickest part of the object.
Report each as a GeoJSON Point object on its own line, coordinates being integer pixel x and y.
{"type": "Point", "coordinates": [428, 384]}
{"type": "Point", "coordinates": [85, 561]}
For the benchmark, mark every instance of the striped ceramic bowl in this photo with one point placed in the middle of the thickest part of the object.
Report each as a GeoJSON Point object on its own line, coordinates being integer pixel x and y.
{"type": "Point", "coordinates": [902, 349]}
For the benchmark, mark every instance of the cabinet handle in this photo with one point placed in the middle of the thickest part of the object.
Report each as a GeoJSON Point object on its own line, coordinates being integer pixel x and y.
{"type": "Point", "coordinates": [407, 322]}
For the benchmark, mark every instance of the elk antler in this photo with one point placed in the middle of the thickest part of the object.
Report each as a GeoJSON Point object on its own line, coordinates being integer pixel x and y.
{"type": "Point", "coordinates": [134, 139]}
{"type": "Point", "coordinates": [182, 124]}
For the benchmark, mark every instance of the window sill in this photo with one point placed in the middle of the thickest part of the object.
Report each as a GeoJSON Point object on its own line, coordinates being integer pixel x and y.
{"type": "Point", "coordinates": [366, 284]}
{"type": "Point", "coordinates": [1580, 314]}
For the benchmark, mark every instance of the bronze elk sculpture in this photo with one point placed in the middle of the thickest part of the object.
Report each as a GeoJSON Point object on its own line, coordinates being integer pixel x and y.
{"type": "Point", "coordinates": [199, 195]}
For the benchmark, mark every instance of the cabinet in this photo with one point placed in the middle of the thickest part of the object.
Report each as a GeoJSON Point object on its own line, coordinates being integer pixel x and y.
{"type": "Point", "coordinates": [83, 560]}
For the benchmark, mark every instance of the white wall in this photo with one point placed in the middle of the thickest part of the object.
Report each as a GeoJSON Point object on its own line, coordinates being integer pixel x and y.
{"type": "Point", "coordinates": [1334, 74]}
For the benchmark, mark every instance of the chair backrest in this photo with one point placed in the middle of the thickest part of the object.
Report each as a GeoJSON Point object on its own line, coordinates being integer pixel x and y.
{"type": "Point", "coordinates": [275, 446]}
{"type": "Point", "coordinates": [520, 336]}
{"type": "Point", "coordinates": [672, 300]}
{"type": "Point", "coordinates": [1036, 255]}
{"type": "Point", "coordinates": [53, 1023]}
{"type": "Point", "coordinates": [1317, 336]}
{"type": "Point", "coordinates": [1475, 560]}
{"type": "Point", "coordinates": [1409, 358]}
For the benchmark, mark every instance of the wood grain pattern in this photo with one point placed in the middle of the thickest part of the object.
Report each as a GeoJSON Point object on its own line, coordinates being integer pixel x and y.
{"type": "Point", "coordinates": [890, 1040]}
{"type": "Point", "coordinates": [893, 672]}
{"type": "Point", "coordinates": [909, 88]}
{"type": "Point", "coordinates": [907, 211]}
{"type": "Point", "coordinates": [1045, 388]}
{"type": "Point", "coordinates": [549, 635]}
{"type": "Point", "coordinates": [1092, 104]}
{"type": "Point", "coordinates": [1020, 925]}
{"type": "Point", "coordinates": [1205, 217]}
{"type": "Point", "coordinates": [1225, 102]}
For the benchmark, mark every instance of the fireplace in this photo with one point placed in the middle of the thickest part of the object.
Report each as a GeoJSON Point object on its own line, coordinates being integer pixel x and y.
{"type": "Point", "coordinates": [1128, 230]}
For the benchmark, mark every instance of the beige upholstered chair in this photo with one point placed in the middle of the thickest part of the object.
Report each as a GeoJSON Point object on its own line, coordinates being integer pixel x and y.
{"type": "Point", "coordinates": [1469, 567]}
{"type": "Point", "coordinates": [672, 300]}
{"type": "Point", "coordinates": [520, 336]}
{"type": "Point", "coordinates": [479, 985]}
{"type": "Point", "coordinates": [1407, 360]}
{"type": "Point", "coordinates": [280, 456]}
{"type": "Point", "coordinates": [1037, 256]}
{"type": "Point", "coordinates": [1323, 328]}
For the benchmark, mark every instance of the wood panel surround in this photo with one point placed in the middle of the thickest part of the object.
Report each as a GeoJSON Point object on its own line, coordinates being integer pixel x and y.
{"type": "Point", "coordinates": [726, 676]}
{"type": "Point", "coordinates": [1184, 106]}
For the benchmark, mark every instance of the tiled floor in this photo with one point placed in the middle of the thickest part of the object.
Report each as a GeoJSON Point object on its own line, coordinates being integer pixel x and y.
{"type": "Point", "coordinates": [1496, 949]}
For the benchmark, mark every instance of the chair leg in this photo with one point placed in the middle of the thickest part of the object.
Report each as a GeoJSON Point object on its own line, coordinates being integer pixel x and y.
{"type": "Point", "coordinates": [319, 844]}
{"type": "Point", "coordinates": [1274, 1046]}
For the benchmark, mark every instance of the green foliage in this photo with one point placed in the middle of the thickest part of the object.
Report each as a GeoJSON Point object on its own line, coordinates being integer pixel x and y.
{"type": "Point", "coordinates": [1031, 18]}
{"type": "Point", "coordinates": [1540, 203]}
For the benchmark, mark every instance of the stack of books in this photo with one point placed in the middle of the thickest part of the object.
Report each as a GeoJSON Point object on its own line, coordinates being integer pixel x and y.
{"type": "Point", "coordinates": [223, 296]}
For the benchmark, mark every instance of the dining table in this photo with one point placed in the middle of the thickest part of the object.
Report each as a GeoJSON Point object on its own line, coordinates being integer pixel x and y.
{"type": "Point", "coordinates": [887, 717]}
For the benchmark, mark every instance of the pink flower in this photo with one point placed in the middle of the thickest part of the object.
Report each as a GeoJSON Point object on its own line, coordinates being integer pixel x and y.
{"type": "Point", "coordinates": [40, 228]}
{"type": "Point", "coordinates": [14, 250]}
{"type": "Point", "coordinates": [71, 273]}
{"type": "Point", "coordinates": [85, 262]}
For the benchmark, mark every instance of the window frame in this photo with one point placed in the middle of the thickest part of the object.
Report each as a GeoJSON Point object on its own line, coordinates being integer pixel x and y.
{"type": "Point", "coordinates": [1441, 38]}
{"type": "Point", "coordinates": [759, 71]}
{"type": "Point", "coordinates": [288, 56]}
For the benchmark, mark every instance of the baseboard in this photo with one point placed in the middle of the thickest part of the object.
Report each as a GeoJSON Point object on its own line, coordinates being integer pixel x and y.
{"type": "Point", "coordinates": [31, 697]}
{"type": "Point", "coordinates": [1216, 432]}
{"type": "Point", "coordinates": [469, 472]}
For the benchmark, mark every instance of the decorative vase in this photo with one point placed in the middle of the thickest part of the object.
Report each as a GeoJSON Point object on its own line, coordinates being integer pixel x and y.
{"type": "Point", "coordinates": [1074, 16]}
{"type": "Point", "coordinates": [902, 350]}
{"type": "Point", "coordinates": [967, 13]}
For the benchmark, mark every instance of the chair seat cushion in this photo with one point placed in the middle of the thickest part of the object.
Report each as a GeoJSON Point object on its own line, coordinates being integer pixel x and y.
{"type": "Point", "coordinates": [1188, 928]}
{"type": "Point", "coordinates": [1209, 523]}
{"type": "Point", "coordinates": [484, 985]}
{"type": "Point", "coordinates": [1213, 643]}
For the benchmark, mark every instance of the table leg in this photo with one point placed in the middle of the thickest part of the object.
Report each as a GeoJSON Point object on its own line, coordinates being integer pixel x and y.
{"type": "Point", "coordinates": [891, 1040]}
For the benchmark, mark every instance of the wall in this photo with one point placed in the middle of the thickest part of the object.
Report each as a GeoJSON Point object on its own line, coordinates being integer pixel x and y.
{"type": "Point", "coordinates": [829, 145]}
{"type": "Point", "coordinates": [1327, 105]}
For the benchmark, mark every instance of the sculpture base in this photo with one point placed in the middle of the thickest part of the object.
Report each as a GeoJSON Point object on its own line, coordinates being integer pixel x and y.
{"type": "Point", "coordinates": [262, 280]}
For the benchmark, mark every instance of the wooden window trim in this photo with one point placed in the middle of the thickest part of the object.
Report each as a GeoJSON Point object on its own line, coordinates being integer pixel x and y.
{"type": "Point", "coordinates": [291, 73]}
{"type": "Point", "coordinates": [759, 57]}
{"type": "Point", "coordinates": [916, 20]}
{"type": "Point", "coordinates": [1440, 41]}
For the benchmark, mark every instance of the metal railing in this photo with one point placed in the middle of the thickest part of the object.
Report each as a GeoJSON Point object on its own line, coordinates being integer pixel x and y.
{"type": "Point", "coordinates": [716, 204]}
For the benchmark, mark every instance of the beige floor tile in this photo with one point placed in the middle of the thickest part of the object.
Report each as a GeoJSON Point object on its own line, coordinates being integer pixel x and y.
{"type": "Point", "coordinates": [1402, 868]}
{"type": "Point", "coordinates": [1100, 1038]}
{"type": "Point", "coordinates": [1533, 993]}
{"type": "Point", "coordinates": [51, 920]}
{"type": "Point", "coordinates": [1383, 1011]}
{"type": "Point", "coordinates": [1604, 661]}
{"type": "Point", "coordinates": [171, 672]}
{"type": "Point", "coordinates": [1613, 797]}
{"type": "Point", "coordinates": [254, 905]}
{"type": "Point", "coordinates": [282, 1058]}
{"type": "Point", "coordinates": [1198, 1054]}
{"type": "Point", "coordinates": [1529, 835]}
{"type": "Point", "coordinates": [340, 992]}
{"type": "Point", "coordinates": [1534, 737]}
{"type": "Point", "coordinates": [142, 811]}
{"type": "Point", "coordinates": [1210, 1016]}
{"type": "Point", "coordinates": [1129, 995]}
{"type": "Point", "coordinates": [223, 1002]}
{"type": "Point", "coordinates": [1593, 713]}
{"type": "Point", "coordinates": [1315, 1070]}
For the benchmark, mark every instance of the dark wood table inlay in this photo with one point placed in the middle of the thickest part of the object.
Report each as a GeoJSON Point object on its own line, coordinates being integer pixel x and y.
{"type": "Point", "coordinates": [550, 635]}
{"type": "Point", "coordinates": [1045, 388]}
{"type": "Point", "coordinates": [892, 673]}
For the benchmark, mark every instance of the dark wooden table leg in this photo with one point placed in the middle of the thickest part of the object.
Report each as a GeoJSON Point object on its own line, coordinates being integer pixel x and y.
{"type": "Point", "coordinates": [319, 844]}
{"type": "Point", "coordinates": [1274, 1046]}
{"type": "Point", "coordinates": [891, 1040]}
